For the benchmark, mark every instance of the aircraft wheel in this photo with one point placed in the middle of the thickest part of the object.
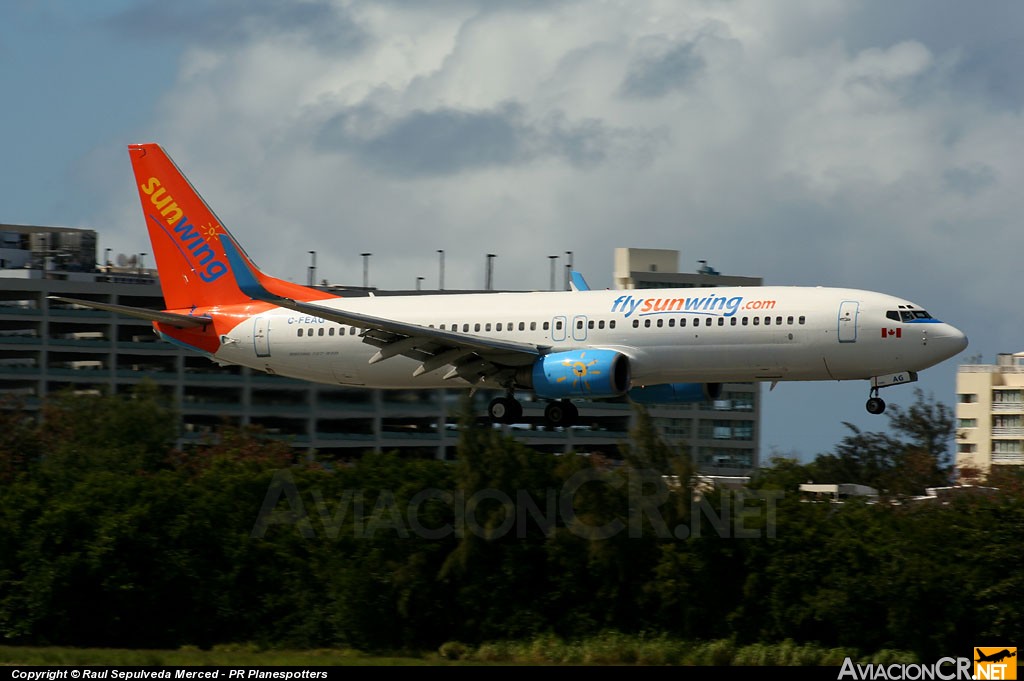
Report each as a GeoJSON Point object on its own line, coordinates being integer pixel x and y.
{"type": "Point", "coordinates": [562, 413]}
{"type": "Point", "coordinates": [505, 410]}
{"type": "Point", "coordinates": [875, 405]}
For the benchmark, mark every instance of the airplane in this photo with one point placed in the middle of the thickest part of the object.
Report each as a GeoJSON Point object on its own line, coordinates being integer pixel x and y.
{"type": "Point", "coordinates": [650, 346]}
{"type": "Point", "coordinates": [995, 657]}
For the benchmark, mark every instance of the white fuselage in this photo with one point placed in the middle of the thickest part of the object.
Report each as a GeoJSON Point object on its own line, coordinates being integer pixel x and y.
{"type": "Point", "coordinates": [723, 334]}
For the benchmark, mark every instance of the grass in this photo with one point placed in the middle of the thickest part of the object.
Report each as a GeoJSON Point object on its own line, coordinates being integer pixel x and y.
{"type": "Point", "coordinates": [606, 649]}
{"type": "Point", "coordinates": [218, 656]}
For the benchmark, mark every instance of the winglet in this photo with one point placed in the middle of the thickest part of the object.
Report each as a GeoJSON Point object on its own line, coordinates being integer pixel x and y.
{"type": "Point", "coordinates": [577, 282]}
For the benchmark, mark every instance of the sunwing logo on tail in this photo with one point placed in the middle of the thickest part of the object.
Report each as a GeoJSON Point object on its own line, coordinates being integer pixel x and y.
{"type": "Point", "coordinates": [192, 242]}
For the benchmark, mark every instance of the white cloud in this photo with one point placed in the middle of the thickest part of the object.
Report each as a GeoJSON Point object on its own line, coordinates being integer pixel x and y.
{"type": "Point", "coordinates": [806, 142]}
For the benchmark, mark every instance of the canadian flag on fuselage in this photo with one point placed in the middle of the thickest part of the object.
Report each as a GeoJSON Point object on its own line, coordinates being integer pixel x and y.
{"type": "Point", "coordinates": [892, 332]}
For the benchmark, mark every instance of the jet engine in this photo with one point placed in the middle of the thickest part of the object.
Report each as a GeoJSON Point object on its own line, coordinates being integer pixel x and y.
{"type": "Point", "coordinates": [578, 373]}
{"type": "Point", "coordinates": [674, 393]}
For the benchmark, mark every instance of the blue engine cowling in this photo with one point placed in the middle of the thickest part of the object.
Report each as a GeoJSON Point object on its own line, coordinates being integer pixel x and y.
{"type": "Point", "coordinates": [674, 393]}
{"type": "Point", "coordinates": [578, 373]}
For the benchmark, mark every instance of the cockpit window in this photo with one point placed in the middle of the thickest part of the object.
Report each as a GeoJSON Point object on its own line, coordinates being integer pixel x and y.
{"type": "Point", "coordinates": [907, 315]}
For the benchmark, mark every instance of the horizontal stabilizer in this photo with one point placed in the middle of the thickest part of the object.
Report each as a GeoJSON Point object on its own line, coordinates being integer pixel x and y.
{"type": "Point", "coordinates": [182, 321]}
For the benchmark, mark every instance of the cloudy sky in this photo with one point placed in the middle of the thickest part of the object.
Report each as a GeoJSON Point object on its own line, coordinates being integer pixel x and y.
{"type": "Point", "coordinates": [870, 144]}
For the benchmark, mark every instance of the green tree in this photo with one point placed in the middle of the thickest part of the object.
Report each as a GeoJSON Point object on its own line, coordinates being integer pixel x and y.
{"type": "Point", "coordinates": [914, 456]}
{"type": "Point", "coordinates": [19, 439]}
{"type": "Point", "coordinates": [125, 433]}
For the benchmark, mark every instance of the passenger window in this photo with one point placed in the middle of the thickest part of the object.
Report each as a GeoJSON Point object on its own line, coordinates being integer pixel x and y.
{"type": "Point", "coordinates": [476, 327]}
{"type": "Point", "coordinates": [636, 323]}
{"type": "Point", "coordinates": [707, 322]}
{"type": "Point", "coordinates": [721, 321]}
{"type": "Point", "coordinates": [611, 324]}
{"type": "Point", "coordinates": [533, 326]}
{"type": "Point", "coordinates": [465, 328]}
{"type": "Point", "coordinates": [300, 333]}
{"type": "Point", "coordinates": [487, 327]}
{"type": "Point", "coordinates": [789, 320]}
{"type": "Point", "coordinates": [756, 320]}
{"type": "Point", "coordinates": [320, 331]}
{"type": "Point", "coordinates": [330, 331]}
{"type": "Point", "coordinates": [671, 323]}
{"type": "Point", "coordinates": [497, 327]}
{"type": "Point", "coordinates": [579, 323]}
{"type": "Point", "coordinates": [802, 319]}
{"type": "Point", "coordinates": [744, 321]}
{"type": "Point", "coordinates": [647, 323]}
{"type": "Point", "coordinates": [522, 326]}
{"type": "Point", "coordinates": [767, 321]}
{"type": "Point", "coordinates": [547, 325]}
{"type": "Point", "coordinates": [732, 322]}
{"type": "Point", "coordinates": [600, 324]}
{"type": "Point", "coordinates": [778, 321]}
{"type": "Point", "coordinates": [590, 324]}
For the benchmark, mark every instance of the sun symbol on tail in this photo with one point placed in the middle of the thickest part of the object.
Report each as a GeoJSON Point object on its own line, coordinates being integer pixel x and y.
{"type": "Point", "coordinates": [209, 231]}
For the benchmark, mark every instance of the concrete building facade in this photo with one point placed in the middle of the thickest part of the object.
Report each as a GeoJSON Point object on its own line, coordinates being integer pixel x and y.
{"type": "Point", "coordinates": [990, 414]}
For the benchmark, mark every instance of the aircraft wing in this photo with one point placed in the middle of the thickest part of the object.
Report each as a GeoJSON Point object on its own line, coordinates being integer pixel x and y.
{"type": "Point", "coordinates": [182, 321]}
{"type": "Point", "coordinates": [471, 358]}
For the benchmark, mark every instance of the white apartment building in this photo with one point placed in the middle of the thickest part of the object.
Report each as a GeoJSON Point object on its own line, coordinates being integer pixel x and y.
{"type": "Point", "coordinates": [990, 414]}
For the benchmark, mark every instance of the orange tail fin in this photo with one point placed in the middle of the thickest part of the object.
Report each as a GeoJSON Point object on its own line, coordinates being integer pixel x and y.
{"type": "Point", "coordinates": [186, 238]}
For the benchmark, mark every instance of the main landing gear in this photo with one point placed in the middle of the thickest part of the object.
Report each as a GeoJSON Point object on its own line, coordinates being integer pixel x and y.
{"type": "Point", "coordinates": [507, 409]}
{"type": "Point", "coordinates": [561, 413]}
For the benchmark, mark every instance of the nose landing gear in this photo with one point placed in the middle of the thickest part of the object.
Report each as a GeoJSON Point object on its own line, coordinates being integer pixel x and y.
{"type": "Point", "coordinates": [875, 404]}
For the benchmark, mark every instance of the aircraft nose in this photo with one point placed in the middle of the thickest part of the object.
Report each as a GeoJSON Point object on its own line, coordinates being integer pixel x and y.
{"type": "Point", "coordinates": [954, 340]}
{"type": "Point", "coordinates": [961, 340]}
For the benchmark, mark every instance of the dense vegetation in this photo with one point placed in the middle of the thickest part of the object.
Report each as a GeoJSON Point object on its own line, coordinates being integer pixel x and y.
{"type": "Point", "coordinates": [110, 537]}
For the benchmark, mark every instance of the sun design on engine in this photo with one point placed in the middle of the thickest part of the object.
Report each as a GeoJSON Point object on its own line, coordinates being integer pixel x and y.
{"type": "Point", "coordinates": [580, 371]}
